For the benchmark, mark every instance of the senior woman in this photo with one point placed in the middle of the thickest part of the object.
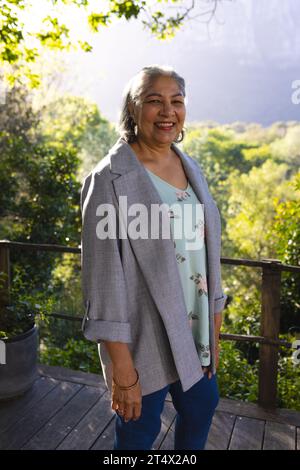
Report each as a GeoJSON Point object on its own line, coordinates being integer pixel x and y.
{"type": "Point", "coordinates": [153, 303]}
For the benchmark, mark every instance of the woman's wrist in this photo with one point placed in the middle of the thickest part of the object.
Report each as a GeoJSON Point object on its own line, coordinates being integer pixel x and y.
{"type": "Point", "coordinates": [124, 375]}
{"type": "Point", "coordinates": [123, 386]}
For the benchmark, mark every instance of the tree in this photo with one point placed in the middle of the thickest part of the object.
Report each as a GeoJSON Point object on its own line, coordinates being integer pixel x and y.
{"type": "Point", "coordinates": [252, 208]}
{"type": "Point", "coordinates": [40, 203]}
{"type": "Point", "coordinates": [286, 232]}
{"type": "Point", "coordinates": [163, 18]}
{"type": "Point", "coordinates": [79, 125]}
{"type": "Point", "coordinates": [219, 153]}
{"type": "Point", "coordinates": [287, 148]}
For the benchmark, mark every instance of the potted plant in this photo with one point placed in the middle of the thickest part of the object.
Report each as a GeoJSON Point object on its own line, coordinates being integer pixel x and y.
{"type": "Point", "coordinates": [19, 347]}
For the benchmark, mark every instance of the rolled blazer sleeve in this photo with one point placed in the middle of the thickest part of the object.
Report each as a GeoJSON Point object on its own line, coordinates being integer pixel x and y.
{"type": "Point", "coordinates": [103, 282]}
{"type": "Point", "coordinates": [220, 297]}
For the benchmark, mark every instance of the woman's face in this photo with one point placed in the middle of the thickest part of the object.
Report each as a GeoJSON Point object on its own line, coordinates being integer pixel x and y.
{"type": "Point", "coordinates": [161, 114]}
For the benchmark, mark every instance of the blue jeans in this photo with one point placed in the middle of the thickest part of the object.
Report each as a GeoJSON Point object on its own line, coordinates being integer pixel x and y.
{"type": "Point", "coordinates": [195, 409]}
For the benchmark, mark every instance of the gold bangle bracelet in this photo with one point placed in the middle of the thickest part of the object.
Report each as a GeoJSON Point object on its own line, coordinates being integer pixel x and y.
{"type": "Point", "coordinates": [130, 386]}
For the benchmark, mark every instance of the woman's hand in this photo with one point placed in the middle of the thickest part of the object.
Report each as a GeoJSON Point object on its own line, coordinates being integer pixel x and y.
{"type": "Point", "coordinates": [127, 403]}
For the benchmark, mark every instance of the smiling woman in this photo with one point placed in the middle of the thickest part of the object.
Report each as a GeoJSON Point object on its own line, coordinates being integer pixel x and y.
{"type": "Point", "coordinates": [153, 304]}
{"type": "Point", "coordinates": [152, 118]}
{"type": "Point", "coordinates": [150, 97]}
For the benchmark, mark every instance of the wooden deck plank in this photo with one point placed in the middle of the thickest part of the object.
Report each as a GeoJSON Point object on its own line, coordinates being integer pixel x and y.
{"type": "Point", "coordinates": [247, 434]}
{"type": "Point", "coordinates": [167, 442]}
{"type": "Point", "coordinates": [169, 413]}
{"type": "Point", "coordinates": [87, 431]}
{"type": "Point", "coordinates": [11, 411]}
{"type": "Point", "coordinates": [238, 408]}
{"type": "Point", "coordinates": [55, 430]}
{"type": "Point", "coordinates": [218, 438]}
{"type": "Point", "coordinates": [106, 440]}
{"type": "Point", "coordinates": [69, 375]}
{"type": "Point", "coordinates": [57, 413]}
{"type": "Point", "coordinates": [221, 431]}
{"type": "Point", "coordinates": [279, 436]}
{"type": "Point", "coordinates": [167, 418]}
{"type": "Point", "coordinates": [29, 424]}
{"type": "Point", "coordinates": [252, 410]}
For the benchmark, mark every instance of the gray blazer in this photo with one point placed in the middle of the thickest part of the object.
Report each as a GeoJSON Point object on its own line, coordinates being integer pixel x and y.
{"type": "Point", "coordinates": [131, 288]}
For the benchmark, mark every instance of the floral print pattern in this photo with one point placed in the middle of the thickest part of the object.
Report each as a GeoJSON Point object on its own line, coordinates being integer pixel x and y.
{"type": "Point", "coordinates": [180, 258]}
{"type": "Point", "coordinates": [200, 282]}
{"type": "Point", "coordinates": [191, 263]}
{"type": "Point", "coordinates": [200, 227]}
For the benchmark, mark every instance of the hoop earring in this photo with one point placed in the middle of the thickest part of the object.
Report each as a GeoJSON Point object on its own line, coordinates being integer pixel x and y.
{"type": "Point", "coordinates": [180, 137]}
{"type": "Point", "coordinates": [135, 129]}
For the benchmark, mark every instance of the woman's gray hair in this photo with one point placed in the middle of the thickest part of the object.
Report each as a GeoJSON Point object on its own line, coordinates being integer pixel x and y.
{"type": "Point", "coordinates": [134, 91]}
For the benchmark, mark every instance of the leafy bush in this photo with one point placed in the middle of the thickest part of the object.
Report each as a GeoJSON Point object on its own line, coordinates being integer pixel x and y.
{"type": "Point", "coordinates": [237, 379]}
{"type": "Point", "coordinates": [76, 354]}
{"type": "Point", "coordinates": [288, 382]}
{"type": "Point", "coordinates": [26, 308]}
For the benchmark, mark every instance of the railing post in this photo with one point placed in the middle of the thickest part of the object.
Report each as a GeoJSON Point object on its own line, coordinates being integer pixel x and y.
{"type": "Point", "coordinates": [269, 327]}
{"type": "Point", "coordinates": [4, 276]}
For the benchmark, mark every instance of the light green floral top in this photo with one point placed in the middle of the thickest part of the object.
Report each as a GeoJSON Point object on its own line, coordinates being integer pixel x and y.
{"type": "Point", "coordinates": [187, 225]}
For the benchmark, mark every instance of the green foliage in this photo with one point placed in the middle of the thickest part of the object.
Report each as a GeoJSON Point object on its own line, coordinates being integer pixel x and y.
{"type": "Point", "coordinates": [286, 148]}
{"type": "Point", "coordinates": [25, 309]}
{"type": "Point", "coordinates": [75, 354]}
{"type": "Point", "coordinates": [78, 124]}
{"type": "Point", "coordinates": [287, 224]}
{"type": "Point", "coordinates": [218, 154]}
{"type": "Point", "coordinates": [288, 384]}
{"type": "Point", "coordinates": [51, 33]}
{"type": "Point", "coordinates": [17, 318]}
{"type": "Point", "coordinates": [286, 233]}
{"type": "Point", "coordinates": [251, 208]}
{"type": "Point", "coordinates": [237, 379]}
{"type": "Point", "coordinates": [42, 201]}
{"type": "Point", "coordinates": [56, 36]}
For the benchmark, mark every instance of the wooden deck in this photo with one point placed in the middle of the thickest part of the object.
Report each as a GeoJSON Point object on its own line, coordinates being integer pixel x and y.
{"type": "Point", "coordinates": [71, 410]}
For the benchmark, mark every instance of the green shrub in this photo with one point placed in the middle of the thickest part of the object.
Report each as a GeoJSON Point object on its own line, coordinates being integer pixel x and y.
{"type": "Point", "coordinates": [77, 354]}
{"type": "Point", "coordinates": [237, 379]}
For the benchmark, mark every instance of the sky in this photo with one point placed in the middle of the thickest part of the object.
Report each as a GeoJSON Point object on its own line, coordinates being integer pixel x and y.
{"type": "Point", "coordinates": [239, 68]}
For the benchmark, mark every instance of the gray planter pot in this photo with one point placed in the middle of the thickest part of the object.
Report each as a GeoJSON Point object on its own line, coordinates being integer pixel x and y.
{"type": "Point", "coordinates": [20, 370]}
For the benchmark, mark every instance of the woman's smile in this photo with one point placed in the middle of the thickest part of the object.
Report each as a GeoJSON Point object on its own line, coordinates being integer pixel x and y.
{"type": "Point", "coordinates": [165, 126]}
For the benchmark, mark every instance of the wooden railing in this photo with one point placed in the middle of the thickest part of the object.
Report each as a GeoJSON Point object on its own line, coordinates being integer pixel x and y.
{"type": "Point", "coordinates": [268, 340]}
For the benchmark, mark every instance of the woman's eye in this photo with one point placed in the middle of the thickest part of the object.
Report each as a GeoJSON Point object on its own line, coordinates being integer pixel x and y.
{"type": "Point", "coordinates": [177, 102]}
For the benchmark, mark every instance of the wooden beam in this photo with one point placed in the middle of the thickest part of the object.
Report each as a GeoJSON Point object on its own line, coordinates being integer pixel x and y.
{"type": "Point", "coordinates": [269, 328]}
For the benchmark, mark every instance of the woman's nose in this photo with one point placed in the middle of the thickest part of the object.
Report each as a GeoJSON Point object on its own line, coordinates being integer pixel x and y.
{"type": "Point", "coordinates": [167, 109]}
